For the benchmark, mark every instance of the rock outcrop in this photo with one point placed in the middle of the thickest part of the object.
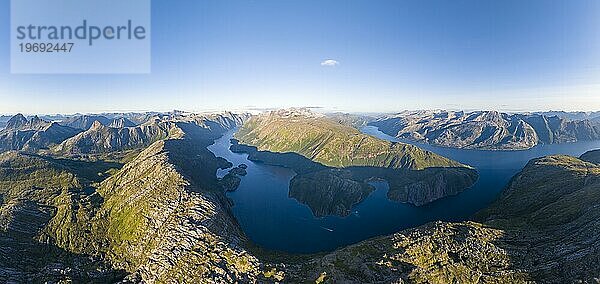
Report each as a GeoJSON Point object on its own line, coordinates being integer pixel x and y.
{"type": "Point", "coordinates": [231, 181]}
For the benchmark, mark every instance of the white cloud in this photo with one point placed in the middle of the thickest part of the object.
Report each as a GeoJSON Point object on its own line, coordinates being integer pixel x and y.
{"type": "Point", "coordinates": [330, 63]}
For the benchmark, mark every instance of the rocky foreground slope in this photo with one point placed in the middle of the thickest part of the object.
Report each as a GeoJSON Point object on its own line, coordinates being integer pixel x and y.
{"type": "Point", "coordinates": [335, 162]}
{"type": "Point", "coordinates": [486, 129]}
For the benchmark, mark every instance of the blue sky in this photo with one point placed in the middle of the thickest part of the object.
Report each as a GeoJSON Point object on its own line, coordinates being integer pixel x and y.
{"type": "Point", "coordinates": [393, 55]}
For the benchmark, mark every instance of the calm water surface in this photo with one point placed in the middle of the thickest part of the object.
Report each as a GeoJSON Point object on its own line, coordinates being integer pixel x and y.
{"type": "Point", "coordinates": [275, 221]}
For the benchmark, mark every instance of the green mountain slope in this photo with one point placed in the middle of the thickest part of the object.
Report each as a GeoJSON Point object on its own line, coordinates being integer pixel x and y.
{"type": "Point", "coordinates": [44, 225]}
{"type": "Point", "coordinates": [331, 143]}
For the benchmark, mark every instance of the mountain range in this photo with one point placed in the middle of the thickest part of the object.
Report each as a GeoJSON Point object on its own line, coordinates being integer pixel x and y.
{"type": "Point", "coordinates": [84, 122]}
{"type": "Point", "coordinates": [489, 130]}
{"type": "Point", "coordinates": [163, 215]}
{"type": "Point", "coordinates": [33, 134]}
{"type": "Point", "coordinates": [97, 134]}
{"type": "Point", "coordinates": [576, 115]}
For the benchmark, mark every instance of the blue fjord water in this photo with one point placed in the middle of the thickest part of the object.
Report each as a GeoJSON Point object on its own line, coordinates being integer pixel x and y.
{"type": "Point", "coordinates": [275, 221]}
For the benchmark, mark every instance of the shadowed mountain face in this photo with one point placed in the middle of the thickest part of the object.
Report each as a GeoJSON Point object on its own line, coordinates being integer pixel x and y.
{"type": "Point", "coordinates": [19, 122]}
{"type": "Point", "coordinates": [3, 120]}
{"type": "Point", "coordinates": [335, 161]}
{"type": "Point", "coordinates": [486, 129]}
{"type": "Point", "coordinates": [84, 122]}
{"type": "Point", "coordinates": [592, 157]}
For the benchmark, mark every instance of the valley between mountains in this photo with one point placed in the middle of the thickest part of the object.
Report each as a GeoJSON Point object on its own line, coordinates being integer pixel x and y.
{"type": "Point", "coordinates": [136, 198]}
